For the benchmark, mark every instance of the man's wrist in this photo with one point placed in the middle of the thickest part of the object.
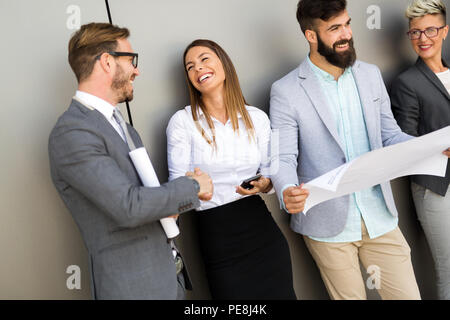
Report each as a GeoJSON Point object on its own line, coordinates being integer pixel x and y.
{"type": "Point", "coordinates": [196, 184]}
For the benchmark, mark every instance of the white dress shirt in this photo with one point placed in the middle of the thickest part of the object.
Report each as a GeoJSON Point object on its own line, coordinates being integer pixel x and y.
{"type": "Point", "coordinates": [105, 108]}
{"type": "Point", "coordinates": [235, 159]}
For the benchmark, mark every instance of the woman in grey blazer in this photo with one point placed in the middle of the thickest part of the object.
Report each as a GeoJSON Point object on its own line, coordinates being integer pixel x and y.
{"type": "Point", "coordinates": [421, 104]}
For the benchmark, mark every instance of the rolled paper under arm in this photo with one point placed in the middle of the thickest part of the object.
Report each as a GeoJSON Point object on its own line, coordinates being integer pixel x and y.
{"type": "Point", "coordinates": [148, 176]}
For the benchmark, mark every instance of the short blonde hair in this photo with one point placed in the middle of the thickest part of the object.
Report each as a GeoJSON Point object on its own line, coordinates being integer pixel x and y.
{"type": "Point", "coordinates": [420, 8]}
{"type": "Point", "coordinates": [91, 40]}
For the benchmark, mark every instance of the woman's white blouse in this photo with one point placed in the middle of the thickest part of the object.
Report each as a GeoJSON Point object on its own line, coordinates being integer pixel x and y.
{"type": "Point", "coordinates": [445, 79]}
{"type": "Point", "coordinates": [235, 159]}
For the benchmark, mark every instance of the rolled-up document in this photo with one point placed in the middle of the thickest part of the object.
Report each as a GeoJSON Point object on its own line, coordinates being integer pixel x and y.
{"type": "Point", "coordinates": [148, 176]}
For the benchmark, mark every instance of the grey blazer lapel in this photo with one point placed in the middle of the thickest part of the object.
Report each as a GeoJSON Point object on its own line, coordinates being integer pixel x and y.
{"type": "Point", "coordinates": [313, 89]}
{"type": "Point", "coordinates": [368, 100]}
{"type": "Point", "coordinates": [102, 124]}
{"type": "Point", "coordinates": [421, 65]}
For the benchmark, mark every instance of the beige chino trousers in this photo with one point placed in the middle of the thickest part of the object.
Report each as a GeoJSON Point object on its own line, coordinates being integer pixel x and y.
{"type": "Point", "coordinates": [386, 258]}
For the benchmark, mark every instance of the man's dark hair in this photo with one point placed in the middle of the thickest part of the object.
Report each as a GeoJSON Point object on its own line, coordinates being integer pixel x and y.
{"type": "Point", "coordinates": [308, 10]}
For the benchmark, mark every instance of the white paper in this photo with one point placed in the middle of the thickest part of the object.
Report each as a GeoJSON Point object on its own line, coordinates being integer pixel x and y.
{"type": "Point", "coordinates": [421, 155]}
{"type": "Point", "coordinates": [148, 176]}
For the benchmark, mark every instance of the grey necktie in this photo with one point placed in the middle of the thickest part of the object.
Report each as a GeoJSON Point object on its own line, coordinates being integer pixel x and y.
{"type": "Point", "coordinates": [118, 116]}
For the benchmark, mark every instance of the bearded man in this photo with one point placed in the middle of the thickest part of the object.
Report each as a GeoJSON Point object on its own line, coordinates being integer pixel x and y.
{"type": "Point", "coordinates": [328, 111]}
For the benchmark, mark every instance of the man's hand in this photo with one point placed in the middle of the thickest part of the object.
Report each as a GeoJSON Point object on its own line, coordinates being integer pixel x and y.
{"type": "Point", "coordinates": [294, 199]}
{"type": "Point", "coordinates": [447, 152]}
{"type": "Point", "coordinates": [205, 182]}
{"type": "Point", "coordinates": [263, 185]}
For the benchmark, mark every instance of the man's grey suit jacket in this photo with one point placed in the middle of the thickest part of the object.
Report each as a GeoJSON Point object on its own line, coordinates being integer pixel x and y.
{"type": "Point", "coordinates": [118, 218]}
{"type": "Point", "coordinates": [309, 143]}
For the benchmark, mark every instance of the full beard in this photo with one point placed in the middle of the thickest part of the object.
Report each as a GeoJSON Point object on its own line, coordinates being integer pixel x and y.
{"type": "Point", "coordinates": [343, 59]}
{"type": "Point", "coordinates": [120, 85]}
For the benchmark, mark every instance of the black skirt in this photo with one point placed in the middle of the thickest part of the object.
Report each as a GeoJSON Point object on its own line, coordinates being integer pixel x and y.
{"type": "Point", "coordinates": [245, 254]}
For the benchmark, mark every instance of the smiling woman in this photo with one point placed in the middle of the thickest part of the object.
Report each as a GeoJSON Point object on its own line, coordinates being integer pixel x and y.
{"type": "Point", "coordinates": [427, 33]}
{"type": "Point", "coordinates": [421, 104]}
{"type": "Point", "coordinates": [208, 61]}
{"type": "Point", "coordinates": [245, 254]}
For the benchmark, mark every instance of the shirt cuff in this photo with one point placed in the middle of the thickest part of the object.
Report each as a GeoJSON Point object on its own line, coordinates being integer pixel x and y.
{"type": "Point", "coordinates": [282, 206]}
{"type": "Point", "coordinates": [196, 185]}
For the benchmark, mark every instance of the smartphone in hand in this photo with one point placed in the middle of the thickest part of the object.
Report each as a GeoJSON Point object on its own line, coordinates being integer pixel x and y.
{"type": "Point", "coordinates": [246, 183]}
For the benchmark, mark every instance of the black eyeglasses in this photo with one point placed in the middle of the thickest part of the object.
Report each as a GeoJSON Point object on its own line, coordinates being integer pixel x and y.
{"type": "Point", "coordinates": [134, 62]}
{"type": "Point", "coordinates": [430, 32]}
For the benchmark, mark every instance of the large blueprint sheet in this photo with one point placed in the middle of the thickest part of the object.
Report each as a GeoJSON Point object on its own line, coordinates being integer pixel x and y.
{"type": "Point", "coordinates": [421, 155]}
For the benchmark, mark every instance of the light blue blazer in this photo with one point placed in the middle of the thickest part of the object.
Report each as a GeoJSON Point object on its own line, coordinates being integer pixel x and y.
{"type": "Point", "coordinates": [309, 144]}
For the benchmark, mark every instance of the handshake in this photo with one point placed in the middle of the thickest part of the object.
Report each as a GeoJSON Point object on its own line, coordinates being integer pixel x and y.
{"type": "Point", "coordinates": [205, 182]}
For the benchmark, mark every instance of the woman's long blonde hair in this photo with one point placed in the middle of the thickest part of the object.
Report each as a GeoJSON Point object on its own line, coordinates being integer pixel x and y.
{"type": "Point", "coordinates": [234, 100]}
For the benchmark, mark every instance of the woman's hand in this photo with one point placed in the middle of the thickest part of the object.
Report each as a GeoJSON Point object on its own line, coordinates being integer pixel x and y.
{"type": "Point", "coordinates": [263, 184]}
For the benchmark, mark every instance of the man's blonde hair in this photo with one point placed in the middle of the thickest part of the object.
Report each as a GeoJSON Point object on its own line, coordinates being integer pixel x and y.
{"type": "Point", "coordinates": [420, 8]}
{"type": "Point", "coordinates": [91, 40]}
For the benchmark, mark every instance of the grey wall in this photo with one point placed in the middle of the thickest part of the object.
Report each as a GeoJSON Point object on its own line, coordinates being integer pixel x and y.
{"type": "Point", "coordinates": [38, 237]}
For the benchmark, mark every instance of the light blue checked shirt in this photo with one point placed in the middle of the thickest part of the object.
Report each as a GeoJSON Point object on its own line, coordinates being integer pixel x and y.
{"type": "Point", "coordinates": [344, 101]}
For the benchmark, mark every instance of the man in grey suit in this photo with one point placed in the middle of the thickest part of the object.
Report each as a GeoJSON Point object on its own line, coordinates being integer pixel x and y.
{"type": "Point", "coordinates": [129, 255]}
{"type": "Point", "coordinates": [328, 111]}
